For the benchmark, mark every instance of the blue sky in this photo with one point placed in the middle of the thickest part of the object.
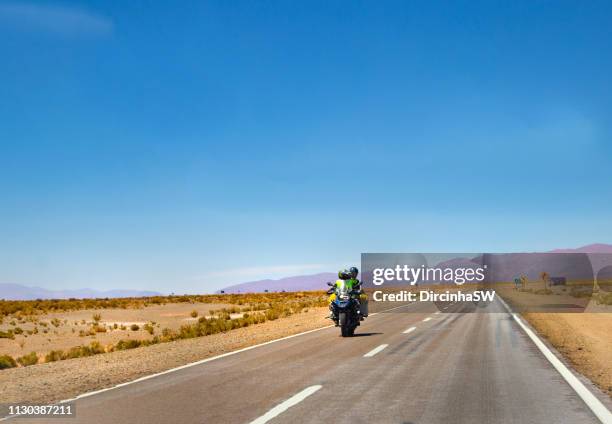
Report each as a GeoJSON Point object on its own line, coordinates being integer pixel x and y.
{"type": "Point", "coordinates": [184, 146]}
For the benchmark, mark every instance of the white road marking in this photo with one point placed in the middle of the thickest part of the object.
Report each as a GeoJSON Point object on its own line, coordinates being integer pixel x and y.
{"type": "Point", "coordinates": [212, 358]}
{"type": "Point", "coordinates": [427, 319]}
{"type": "Point", "coordinates": [446, 307]}
{"type": "Point", "coordinates": [282, 407]}
{"type": "Point", "coordinates": [410, 330]}
{"type": "Point", "coordinates": [437, 313]}
{"type": "Point", "coordinates": [375, 351]}
{"type": "Point", "coordinates": [585, 394]}
{"type": "Point", "coordinates": [392, 309]}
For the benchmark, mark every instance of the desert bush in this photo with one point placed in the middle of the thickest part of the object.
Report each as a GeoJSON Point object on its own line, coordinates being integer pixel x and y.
{"type": "Point", "coordinates": [579, 292]}
{"type": "Point", "coordinates": [98, 328]}
{"type": "Point", "coordinates": [271, 314]}
{"type": "Point", "coordinates": [7, 335]}
{"type": "Point", "coordinates": [32, 307]}
{"type": "Point", "coordinates": [604, 298]}
{"type": "Point", "coordinates": [194, 314]}
{"type": "Point", "coordinates": [54, 355]}
{"type": "Point", "coordinates": [97, 317]}
{"type": "Point", "coordinates": [7, 361]}
{"type": "Point", "coordinates": [96, 347]}
{"type": "Point", "coordinates": [149, 328]}
{"type": "Point", "coordinates": [115, 326]}
{"type": "Point", "coordinates": [127, 344]}
{"type": "Point", "coordinates": [134, 327]}
{"type": "Point", "coordinates": [55, 322]}
{"type": "Point", "coordinates": [29, 359]}
{"type": "Point", "coordinates": [18, 330]}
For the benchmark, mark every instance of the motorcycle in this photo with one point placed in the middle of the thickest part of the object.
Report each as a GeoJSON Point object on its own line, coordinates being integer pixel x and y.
{"type": "Point", "coordinates": [345, 308]}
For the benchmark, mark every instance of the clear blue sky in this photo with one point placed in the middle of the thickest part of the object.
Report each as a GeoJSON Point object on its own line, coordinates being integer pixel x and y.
{"type": "Point", "coordinates": [180, 146]}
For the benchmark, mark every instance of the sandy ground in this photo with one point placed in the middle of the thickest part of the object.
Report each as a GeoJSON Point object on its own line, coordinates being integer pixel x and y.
{"type": "Point", "coordinates": [55, 381]}
{"type": "Point", "coordinates": [66, 334]}
{"type": "Point", "coordinates": [585, 339]}
{"type": "Point", "coordinates": [579, 328]}
{"type": "Point", "coordinates": [558, 301]}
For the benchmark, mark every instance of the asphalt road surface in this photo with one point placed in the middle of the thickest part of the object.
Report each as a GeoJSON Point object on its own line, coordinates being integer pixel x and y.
{"type": "Point", "coordinates": [410, 365]}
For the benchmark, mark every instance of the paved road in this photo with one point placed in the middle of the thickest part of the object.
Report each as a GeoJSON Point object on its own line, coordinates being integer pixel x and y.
{"type": "Point", "coordinates": [453, 367]}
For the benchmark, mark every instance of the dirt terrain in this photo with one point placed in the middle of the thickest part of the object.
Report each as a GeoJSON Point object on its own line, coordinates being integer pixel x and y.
{"type": "Point", "coordinates": [63, 330]}
{"type": "Point", "coordinates": [585, 339]}
{"type": "Point", "coordinates": [48, 382]}
{"type": "Point", "coordinates": [578, 326]}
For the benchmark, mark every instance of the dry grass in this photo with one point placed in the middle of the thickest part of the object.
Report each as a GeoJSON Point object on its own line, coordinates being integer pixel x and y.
{"type": "Point", "coordinates": [22, 308]}
{"type": "Point", "coordinates": [247, 310]}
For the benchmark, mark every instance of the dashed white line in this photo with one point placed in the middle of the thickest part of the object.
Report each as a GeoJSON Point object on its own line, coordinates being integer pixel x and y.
{"type": "Point", "coordinates": [436, 313]}
{"type": "Point", "coordinates": [282, 407]}
{"type": "Point", "coordinates": [375, 351]}
{"type": "Point", "coordinates": [410, 330]}
{"type": "Point", "coordinates": [427, 319]}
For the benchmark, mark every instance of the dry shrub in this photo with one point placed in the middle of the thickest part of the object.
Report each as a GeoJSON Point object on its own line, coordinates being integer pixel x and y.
{"type": "Point", "coordinates": [7, 335]}
{"type": "Point", "coordinates": [7, 361]}
{"type": "Point", "coordinates": [29, 359]}
{"type": "Point", "coordinates": [54, 355]}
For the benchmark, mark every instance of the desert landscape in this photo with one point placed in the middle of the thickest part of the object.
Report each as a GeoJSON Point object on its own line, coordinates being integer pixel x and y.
{"type": "Point", "coordinates": [33, 332]}
{"type": "Point", "coordinates": [54, 349]}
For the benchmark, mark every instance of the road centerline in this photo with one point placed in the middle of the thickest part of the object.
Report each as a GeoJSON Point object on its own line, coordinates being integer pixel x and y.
{"type": "Point", "coordinates": [375, 351]}
{"type": "Point", "coordinates": [282, 407]}
{"type": "Point", "coordinates": [427, 319]}
{"type": "Point", "coordinates": [410, 330]}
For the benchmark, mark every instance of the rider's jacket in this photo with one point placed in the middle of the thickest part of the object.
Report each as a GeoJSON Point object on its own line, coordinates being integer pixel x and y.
{"type": "Point", "coordinates": [349, 284]}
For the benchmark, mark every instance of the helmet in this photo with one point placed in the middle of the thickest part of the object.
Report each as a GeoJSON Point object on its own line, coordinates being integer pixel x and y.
{"type": "Point", "coordinates": [344, 274]}
{"type": "Point", "coordinates": [354, 272]}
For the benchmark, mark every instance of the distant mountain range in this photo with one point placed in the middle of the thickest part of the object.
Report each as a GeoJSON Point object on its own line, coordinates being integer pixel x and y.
{"type": "Point", "coordinates": [19, 292]}
{"type": "Point", "coordinates": [296, 283]}
{"type": "Point", "coordinates": [589, 248]}
{"type": "Point", "coordinates": [317, 281]}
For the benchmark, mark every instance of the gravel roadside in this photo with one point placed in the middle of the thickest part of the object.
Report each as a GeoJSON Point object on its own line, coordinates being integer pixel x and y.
{"type": "Point", "coordinates": [50, 382]}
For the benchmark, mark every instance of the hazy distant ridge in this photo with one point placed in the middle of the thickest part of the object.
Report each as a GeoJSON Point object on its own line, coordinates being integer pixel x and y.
{"type": "Point", "coordinates": [297, 283]}
{"type": "Point", "coordinates": [19, 292]}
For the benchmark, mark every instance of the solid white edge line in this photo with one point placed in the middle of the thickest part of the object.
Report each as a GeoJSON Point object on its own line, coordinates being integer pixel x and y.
{"type": "Point", "coordinates": [410, 330]}
{"type": "Point", "coordinates": [427, 319]}
{"type": "Point", "coordinates": [594, 404]}
{"type": "Point", "coordinates": [375, 351]}
{"type": "Point", "coordinates": [192, 364]}
{"type": "Point", "coordinates": [282, 407]}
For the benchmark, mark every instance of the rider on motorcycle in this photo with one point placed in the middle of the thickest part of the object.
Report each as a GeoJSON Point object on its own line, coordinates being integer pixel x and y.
{"type": "Point", "coordinates": [363, 298]}
{"type": "Point", "coordinates": [349, 279]}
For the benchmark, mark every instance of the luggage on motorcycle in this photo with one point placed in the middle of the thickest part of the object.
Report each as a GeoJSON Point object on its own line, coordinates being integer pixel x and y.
{"type": "Point", "coordinates": [363, 305]}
